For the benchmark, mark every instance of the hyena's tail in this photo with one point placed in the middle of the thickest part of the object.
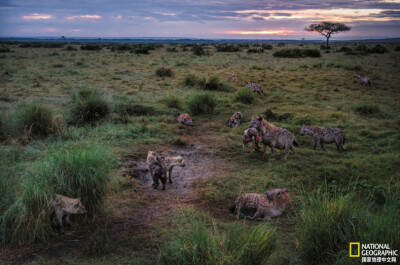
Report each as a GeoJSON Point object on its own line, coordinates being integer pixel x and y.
{"type": "Point", "coordinates": [232, 208]}
{"type": "Point", "coordinates": [295, 142]}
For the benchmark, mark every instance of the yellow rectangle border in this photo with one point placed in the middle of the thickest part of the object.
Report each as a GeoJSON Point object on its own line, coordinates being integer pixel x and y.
{"type": "Point", "coordinates": [358, 249]}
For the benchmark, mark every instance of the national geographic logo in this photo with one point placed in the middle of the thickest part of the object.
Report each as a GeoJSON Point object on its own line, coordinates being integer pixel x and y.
{"type": "Point", "coordinates": [354, 249]}
{"type": "Point", "coordinates": [380, 253]}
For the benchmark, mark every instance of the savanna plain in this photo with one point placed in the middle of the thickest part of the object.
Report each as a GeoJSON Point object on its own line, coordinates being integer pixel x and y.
{"type": "Point", "coordinates": [79, 120]}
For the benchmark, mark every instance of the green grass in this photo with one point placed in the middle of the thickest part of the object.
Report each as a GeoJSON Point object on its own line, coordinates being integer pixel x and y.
{"type": "Point", "coordinates": [245, 96]}
{"type": "Point", "coordinates": [202, 103]}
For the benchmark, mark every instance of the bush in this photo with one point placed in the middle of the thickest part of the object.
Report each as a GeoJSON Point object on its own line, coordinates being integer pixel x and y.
{"type": "Point", "coordinates": [172, 49]}
{"type": "Point", "coordinates": [164, 71]}
{"type": "Point", "coordinates": [202, 103]}
{"type": "Point", "coordinates": [33, 120]}
{"type": "Point", "coordinates": [173, 101]}
{"type": "Point", "coordinates": [345, 49]}
{"type": "Point", "coordinates": [213, 83]}
{"type": "Point", "coordinates": [91, 47]}
{"type": "Point", "coordinates": [266, 46]}
{"type": "Point", "coordinates": [191, 80]}
{"type": "Point", "coordinates": [41, 45]}
{"type": "Point", "coordinates": [280, 44]}
{"type": "Point", "coordinates": [73, 171]}
{"type": "Point", "coordinates": [199, 244]}
{"type": "Point", "coordinates": [141, 51]}
{"type": "Point", "coordinates": [297, 53]}
{"type": "Point", "coordinates": [397, 48]}
{"type": "Point", "coordinates": [244, 95]}
{"type": "Point", "coordinates": [326, 226]}
{"type": "Point", "coordinates": [87, 107]}
{"type": "Point", "coordinates": [378, 49]}
{"type": "Point", "coordinates": [70, 48]}
{"type": "Point", "coordinates": [4, 49]}
{"type": "Point", "coordinates": [198, 50]}
{"type": "Point", "coordinates": [227, 48]}
{"type": "Point", "coordinates": [366, 109]}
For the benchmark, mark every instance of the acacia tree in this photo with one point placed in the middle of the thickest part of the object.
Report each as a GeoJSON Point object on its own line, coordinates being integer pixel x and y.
{"type": "Point", "coordinates": [327, 29]}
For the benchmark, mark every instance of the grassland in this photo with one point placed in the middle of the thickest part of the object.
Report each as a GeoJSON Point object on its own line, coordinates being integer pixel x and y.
{"type": "Point", "coordinates": [329, 189]}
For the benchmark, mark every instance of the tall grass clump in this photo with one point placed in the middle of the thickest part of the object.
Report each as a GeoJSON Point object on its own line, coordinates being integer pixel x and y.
{"type": "Point", "coordinates": [88, 106]}
{"type": "Point", "coordinates": [244, 96]}
{"type": "Point", "coordinates": [297, 53]}
{"type": "Point", "coordinates": [33, 120]}
{"type": "Point", "coordinates": [191, 80]}
{"type": "Point", "coordinates": [202, 244]}
{"type": "Point", "coordinates": [213, 83]}
{"type": "Point", "coordinates": [366, 109]}
{"type": "Point", "coordinates": [326, 226]}
{"type": "Point", "coordinates": [163, 71]}
{"type": "Point", "coordinates": [172, 101]}
{"type": "Point", "coordinates": [202, 103]}
{"type": "Point", "coordinates": [74, 171]}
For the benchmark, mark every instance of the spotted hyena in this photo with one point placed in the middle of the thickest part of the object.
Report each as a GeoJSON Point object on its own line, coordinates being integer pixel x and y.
{"type": "Point", "coordinates": [233, 78]}
{"type": "Point", "coordinates": [274, 137]}
{"type": "Point", "coordinates": [364, 79]}
{"type": "Point", "coordinates": [185, 119]}
{"type": "Point", "coordinates": [157, 169]}
{"type": "Point", "coordinates": [235, 119]}
{"type": "Point", "coordinates": [61, 208]}
{"type": "Point", "coordinates": [171, 162]}
{"type": "Point", "coordinates": [261, 207]}
{"type": "Point", "coordinates": [255, 88]}
{"type": "Point", "coordinates": [323, 135]}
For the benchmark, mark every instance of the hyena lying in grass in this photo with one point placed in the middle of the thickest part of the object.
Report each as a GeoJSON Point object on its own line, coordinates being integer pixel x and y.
{"type": "Point", "coordinates": [255, 88]}
{"type": "Point", "coordinates": [61, 208]}
{"type": "Point", "coordinates": [157, 169]}
{"type": "Point", "coordinates": [323, 135]}
{"type": "Point", "coordinates": [364, 79]}
{"type": "Point", "coordinates": [171, 162]}
{"type": "Point", "coordinates": [273, 136]}
{"type": "Point", "coordinates": [235, 119]}
{"type": "Point", "coordinates": [261, 207]}
{"type": "Point", "coordinates": [185, 119]}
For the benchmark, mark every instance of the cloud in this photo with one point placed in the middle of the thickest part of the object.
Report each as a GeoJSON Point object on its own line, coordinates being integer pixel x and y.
{"type": "Point", "coordinates": [36, 16]}
{"type": "Point", "coordinates": [262, 32]}
{"type": "Point", "coordinates": [84, 17]}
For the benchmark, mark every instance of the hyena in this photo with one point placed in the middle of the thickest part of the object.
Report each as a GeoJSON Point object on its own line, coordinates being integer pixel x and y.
{"type": "Point", "coordinates": [157, 169]}
{"type": "Point", "coordinates": [274, 137]}
{"type": "Point", "coordinates": [323, 135]}
{"type": "Point", "coordinates": [364, 79]}
{"type": "Point", "coordinates": [251, 135]}
{"type": "Point", "coordinates": [235, 119]}
{"type": "Point", "coordinates": [185, 119]}
{"type": "Point", "coordinates": [255, 88]}
{"type": "Point", "coordinates": [261, 207]}
{"type": "Point", "coordinates": [171, 162]}
{"type": "Point", "coordinates": [62, 207]}
{"type": "Point", "coordinates": [233, 78]}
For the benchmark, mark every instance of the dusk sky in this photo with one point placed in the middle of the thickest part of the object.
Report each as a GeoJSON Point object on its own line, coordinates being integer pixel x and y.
{"type": "Point", "coordinates": [275, 19]}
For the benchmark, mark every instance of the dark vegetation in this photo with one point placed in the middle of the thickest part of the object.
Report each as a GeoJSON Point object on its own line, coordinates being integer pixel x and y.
{"type": "Point", "coordinates": [202, 103]}
{"type": "Point", "coordinates": [297, 53]}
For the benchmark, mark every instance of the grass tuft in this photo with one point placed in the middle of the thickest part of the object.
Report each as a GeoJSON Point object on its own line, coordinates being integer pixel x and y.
{"type": "Point", "coordinates": [244, 96]}
{"type": "Point", "coordinates": [203, 103]}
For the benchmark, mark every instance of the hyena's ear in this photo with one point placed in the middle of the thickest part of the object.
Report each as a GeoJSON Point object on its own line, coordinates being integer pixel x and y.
{"type": "Point", "coordinates": [260, 118]}
{"type": "Point", "coordinates": [269, 196]}
{"type": "Point", "coordinates": [286, 190]}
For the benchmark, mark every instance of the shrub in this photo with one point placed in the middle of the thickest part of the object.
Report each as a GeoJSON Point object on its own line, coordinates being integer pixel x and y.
{"type": "Point", "coordinates": [266, 46]}
{"type": "Point", "coordinates": [41, 45]}
{"type": "Point", "coordinates": [213, 83]}
{"type": "Point", "coordinates": [33, 120]}
{"type": "Point", "coordinates": [202, 103]}
{"type": "Point", "coordinates": [198, 50]}
{"type": "Point", "coordinates": [191, 80]}
{"type": "Point", "coordinates": [4, 49]}
{"type": "Point", "coordinates": [326, 226]}
{"type": "Point", "coordinates": [164, 71]}
{"type": "Point", "coordinates": [378, 49]}
{"type": "Point", "coordinates": [245, 96]}
{"type": "Point", "coordinates": [73, 171]}
{"type": "Point", "coordinates": [172, 49]}
{"type": "Point", "coordinates": [88, 106]}
{"type": "Point", "coordinates": [366, 109]}
{"type": "Point", "coordinates": [227, 48]}
{"type": "Point", "coordinates": [173, 101]}
{"type": "Point", "coordinates": [91, 47]}
{"type": "Point", "coordinates": [255, 50]}
{"type": "Point", "coordinates": [141, 51]}
{"type": "Point", "coordinates": [397, 48]}
{"type": "Point", "coordinates": [280, 44]}
{"type": "Point", "coordinates": [345, 49]}
{"type": "Point", "coordinates": [199, 244]}
{"type": "Point", "coordinates": [70, 48]}
{"type": "Point", "coordinates": [297, 53]}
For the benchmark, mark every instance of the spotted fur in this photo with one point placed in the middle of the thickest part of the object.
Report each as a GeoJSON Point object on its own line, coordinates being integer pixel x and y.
{"type": "Point", "coordinates": [235, 119]}
{"type": "Point", "coordinates": [323, 135]}
{"type": "Point", "coordinates": [255, 88]}
{"type": "Point", "coordinates": [61, 208]}
{"type": "Point", "coordinates": [171, 162]}
{"type": "Point", "coordinates": [274, 137]}
{"type": "Point", "coordinates": [185, 119]}
{"type": "Point", "coordinates": [261, 207]}
{"type": "Point", "coordinates": [157, 169]}
{"type": "Point", "coordinates": [251, 135]}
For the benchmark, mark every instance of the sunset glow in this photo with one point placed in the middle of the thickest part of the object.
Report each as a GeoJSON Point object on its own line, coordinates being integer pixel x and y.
{"type": "Point", "coordinates": [261, 32]}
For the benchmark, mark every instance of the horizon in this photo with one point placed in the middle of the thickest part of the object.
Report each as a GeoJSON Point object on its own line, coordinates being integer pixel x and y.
{"type": "Point", "coordinates": [204, 19]}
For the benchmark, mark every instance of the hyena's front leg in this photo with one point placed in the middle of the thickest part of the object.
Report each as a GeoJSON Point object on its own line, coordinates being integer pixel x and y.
{"type": "Point", "coordinates": [67, 221]}
{"type": "Point", "coordinates": [322, 145]}
{"type": "Point", "coordinates": [293, 149]}
{"type": "Point", "coordinates": [287, 149]}
{"type": "Point", "coordinates": [170, 174]}
{"type": "Point", "coordinates": [273, 149]}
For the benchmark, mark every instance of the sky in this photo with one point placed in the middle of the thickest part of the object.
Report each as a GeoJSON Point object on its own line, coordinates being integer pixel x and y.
{"type": "Point", "coordinates": [230, 19]}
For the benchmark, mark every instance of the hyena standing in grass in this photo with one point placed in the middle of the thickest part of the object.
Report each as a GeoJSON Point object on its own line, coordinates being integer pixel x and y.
{"type": "Point", "coordinates": [323, 135]}
{"type": "Point", "coordinates": [157, 169]}
{"type": "Point", "coordinates": [364, 79]}
{"type": "Point", "coordinates": [61, 208]}
{"type": "Point", "coordinates": [255, 88]}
